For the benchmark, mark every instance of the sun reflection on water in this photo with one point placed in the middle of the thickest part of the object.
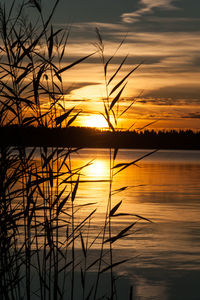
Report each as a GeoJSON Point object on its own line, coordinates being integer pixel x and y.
{"type": "Point", "coordinates": [98, 169]}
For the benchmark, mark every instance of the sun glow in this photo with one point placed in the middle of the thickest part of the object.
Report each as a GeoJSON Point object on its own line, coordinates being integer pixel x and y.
{"type": "Point", "coordinates": [96, 121]}
{"type": "Point", "coordinates": [98, 169]}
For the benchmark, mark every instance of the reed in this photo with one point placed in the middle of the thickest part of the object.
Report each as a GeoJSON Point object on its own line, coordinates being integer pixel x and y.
{"type": "Point", "coordinates": [42, 227]}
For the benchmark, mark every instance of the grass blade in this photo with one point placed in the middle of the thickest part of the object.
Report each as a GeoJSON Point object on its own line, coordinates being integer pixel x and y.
{"type": "Point", "coordinates": [72, 119]}
{"type": "Point", "coordinates": [121, 234]}
{"type": "Point", "coordinates": [123, 61]}
{"type": "Point", "coordinates": [62, 203]}
{"type": "Point", "coordinates": [114, 265]}
{"type": "Point", "coordinates": [75, 190]}
{"type": "Point", "coordinates": [117, 97]}
{"type": "Point", "coordinates": [120, 83]}
{"type": "Point", "coordinates": [61, 118]}
{"type": "Point", "coordinates": [74, 63]}
{"type": "Point", "coordinates": [115, 208]}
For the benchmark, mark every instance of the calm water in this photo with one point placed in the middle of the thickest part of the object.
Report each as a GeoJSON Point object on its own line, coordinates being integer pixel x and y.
{"type": "Point", "coordinates": [165, 188]}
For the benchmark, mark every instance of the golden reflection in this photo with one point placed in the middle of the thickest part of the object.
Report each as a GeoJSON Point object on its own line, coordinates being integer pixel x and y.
{"type": "Point", "coordinates": [97, 169]}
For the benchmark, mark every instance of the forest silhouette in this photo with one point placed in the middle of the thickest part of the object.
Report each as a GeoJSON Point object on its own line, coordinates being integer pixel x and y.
{"type": "Point", "coordinates": [95, 138]}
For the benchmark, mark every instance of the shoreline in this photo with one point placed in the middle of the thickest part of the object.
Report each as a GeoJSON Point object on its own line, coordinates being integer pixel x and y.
{"type": "Point", "coordinates": [83, 137]}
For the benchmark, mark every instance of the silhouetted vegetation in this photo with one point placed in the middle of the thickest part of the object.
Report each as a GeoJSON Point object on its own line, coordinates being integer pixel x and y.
{"type": "Point", "coordinates": [42, 223]}
{"type": "Point", "coordinates": [95, 138]}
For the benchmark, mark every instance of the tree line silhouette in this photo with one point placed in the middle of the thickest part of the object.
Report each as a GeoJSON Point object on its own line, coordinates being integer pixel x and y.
{"type": "Point", "coordinates": [95, 138]}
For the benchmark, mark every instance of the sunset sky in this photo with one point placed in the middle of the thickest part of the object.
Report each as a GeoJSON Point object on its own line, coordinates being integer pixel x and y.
{"type": "Point", "coordinates": [164, 34]}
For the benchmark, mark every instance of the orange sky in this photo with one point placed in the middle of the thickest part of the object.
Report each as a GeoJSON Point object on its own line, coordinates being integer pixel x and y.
{"type": "Point", "coordinates": [164, 35]}
{"type": "Point", "coordinates": [170, 99]}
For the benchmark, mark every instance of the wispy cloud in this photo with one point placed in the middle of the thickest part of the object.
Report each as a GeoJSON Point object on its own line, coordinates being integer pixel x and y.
{"type": "Point", "coordinates": [78, 85]}
{"type": "Point", "coordinates": [156, 101]}
{"type": "Point", "coordinates": [90, 26]}
{"type": "Point", "coordinates": [193, 115]}
{"type": "Point", "coordinates": [177, 94]}
{"type": "Point", "coordinates": [147, 6]}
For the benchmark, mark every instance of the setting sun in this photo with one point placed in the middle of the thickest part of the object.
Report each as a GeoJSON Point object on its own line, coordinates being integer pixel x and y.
{"type": "Point", "coordinates": [97, 121]}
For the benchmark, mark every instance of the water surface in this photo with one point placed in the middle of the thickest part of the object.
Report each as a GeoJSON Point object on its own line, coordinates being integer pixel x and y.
{"type": "Point", "coordinates": [163, 187]}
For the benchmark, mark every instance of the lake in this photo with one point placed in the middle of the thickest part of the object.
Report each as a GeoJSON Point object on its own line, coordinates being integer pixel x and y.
{"type": "Point", "coordinates": [163, 253]}
{"type": "Point", "coordinates": [163, 187]}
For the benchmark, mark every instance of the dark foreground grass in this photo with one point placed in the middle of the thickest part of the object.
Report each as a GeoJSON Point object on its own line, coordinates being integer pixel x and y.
{"type": "Point", "coordinates": [42, 225]}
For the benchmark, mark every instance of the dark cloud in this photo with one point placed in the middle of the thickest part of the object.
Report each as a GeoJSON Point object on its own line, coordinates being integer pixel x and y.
{"type": "Point", "coordinates": [170, 24]}
{"type": "Point", "coordinates": [158, 16]}
{"type": "Point", "coordinates": [92, 11]}
{"type": "Point", "coordinates": [194, 115]}
{"type": "Point", "coordinates": [177, 92]}
{"type": "Point", "coordinates": [159, 101]}
{"type": "Point", "coordinates": [131, 60]}
{"type": "Point", "coordinates": [196, 61]}
{"type": "Point", "coordinates": [162, 16]}
{"type": "Point", "coordinates": [170, 101]}
{"type": "Point", "coordinates": [147, 7]}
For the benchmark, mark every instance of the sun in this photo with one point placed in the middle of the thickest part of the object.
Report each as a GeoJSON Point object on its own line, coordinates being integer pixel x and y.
{"type": "Point", "coordinates": [97, 121]}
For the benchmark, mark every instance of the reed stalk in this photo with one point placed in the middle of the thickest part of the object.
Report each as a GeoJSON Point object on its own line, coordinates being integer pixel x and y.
{"type": "Point", "coordinates": [39, 187]}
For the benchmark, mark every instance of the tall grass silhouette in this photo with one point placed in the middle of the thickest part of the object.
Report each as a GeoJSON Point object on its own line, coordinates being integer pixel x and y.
{"type": "Point", "coordinates": [41, 224]}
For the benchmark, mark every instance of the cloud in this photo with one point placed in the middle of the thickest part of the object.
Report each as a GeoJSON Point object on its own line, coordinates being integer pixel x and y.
{"type": "Point", "coordinates": [181, 93]}
{"type": "Point", "coordinates": [90, 26]}
{"type": "Point", "coordinates": [78, 85]}
{"type": "Point", "coordinates": [147, 7]}
{"type": "Point", "coordinates": [193, 115]}
{"type": "Point", "coordinates": [169, 102]}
